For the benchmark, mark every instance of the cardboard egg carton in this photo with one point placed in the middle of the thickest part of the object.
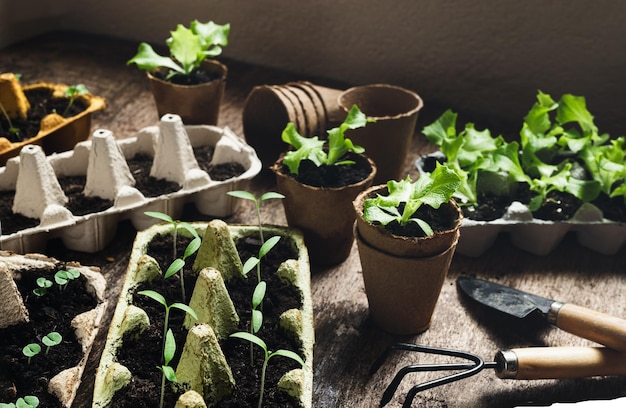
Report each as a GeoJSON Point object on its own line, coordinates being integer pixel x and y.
{"type": "Point", "coordinates": [103, 160]}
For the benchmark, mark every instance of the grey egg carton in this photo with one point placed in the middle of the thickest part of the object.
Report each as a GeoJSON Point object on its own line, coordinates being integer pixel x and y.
{"type": "Point", "coordinates": [103, 160]}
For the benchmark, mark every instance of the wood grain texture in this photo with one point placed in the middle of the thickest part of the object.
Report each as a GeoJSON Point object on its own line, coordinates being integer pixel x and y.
{"type": "Point", "coordinates": [347, 342]}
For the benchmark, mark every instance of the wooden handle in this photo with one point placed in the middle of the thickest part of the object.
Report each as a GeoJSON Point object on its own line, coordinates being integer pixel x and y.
{"type": "Point", "coordinates": [589, 324]}
{"type": "Point", "coordinates": [535, 363]}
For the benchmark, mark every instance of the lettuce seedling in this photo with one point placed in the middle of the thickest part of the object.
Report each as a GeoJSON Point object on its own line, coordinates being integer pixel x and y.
{"type": "Point", "coordinates": [267, 356]}
{"type": "Point", "coordinates": [324, 152]}
{"type": "Point", "coordinates": [473, 153]}
{"type": "Point", "coordinates": [188, 48]}
{"type": "Point", "coordinates": [433, 189]}
{"type": "Point", "coordinates": [73, 91]}
{"type": "Point", "coordinates": [257, 203]}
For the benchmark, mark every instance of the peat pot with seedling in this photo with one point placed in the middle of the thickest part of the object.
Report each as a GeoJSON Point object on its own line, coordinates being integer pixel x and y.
{"type": "Point", "coordinates": [406, 235]}
{"type": "Point", "coordinates": [239, 335]}
{"type": "Point", "coordinates": [188, 82]}
{"type": "Point", "coordinates": [319, 179]}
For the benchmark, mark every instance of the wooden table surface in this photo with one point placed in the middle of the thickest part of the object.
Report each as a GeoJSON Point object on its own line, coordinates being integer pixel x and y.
{"type": "Point", "coordinates": [347, 342]}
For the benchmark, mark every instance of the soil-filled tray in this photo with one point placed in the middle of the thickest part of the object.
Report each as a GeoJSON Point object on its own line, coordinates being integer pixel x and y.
{"type": "Point", "coordinates": [51, 312]}
{"type": "Point", "coordinates": [57, 129]}
{"type": "Point", "coordinates": [81, 195]}
{"type": "Point", "coordinates": [210, 365]}
{"type": "Point", "coordinates": [537, 236]}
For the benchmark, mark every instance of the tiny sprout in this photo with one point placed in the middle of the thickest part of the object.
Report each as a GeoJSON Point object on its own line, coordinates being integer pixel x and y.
{"type": "Point", "coordinates": [72, 92]}
{"type": "Point", "coordinates": [254, 261]}
{"type": "Point", "coordinates": [29, 401]}
{"type": "Point", "coordinates": [31, 350]}
{"type": "Point", "coordinates": [268, 354]}
{"type": "Point", "coordinates": [43, 286]}
{"type": "Point", "coordinates": [51, 339]}
{"type": "Point", "coordinates": [257, 203]}
{"type": "Point", "coordinates": [167, 372]}
{"type": "Point", "coordinates": [62, 278]}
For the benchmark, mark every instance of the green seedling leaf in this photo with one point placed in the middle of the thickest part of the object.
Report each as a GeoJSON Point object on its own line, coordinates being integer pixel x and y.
{"type": "Point", "coordinates": [432, 189]}
{"type": "Point", "coordinates": [170, 347]}
{"type": "Point", "coordinates": [43, 286]}
{"type": "Point", "coordinates": [185, 308]}
{"type": "Point", "coordinates": [51, 339]}
{"type": "Point", "coordinates": [147, 59]}
{"type": "Point", "coordinates": [154, 296]}
{"type": "Point", "coordinates": [257, 320]}
{"type": "Point", "coordinates": [320, 152]}
{"type": "Point", "coordinates": [160, 216]}
{"type": "Point", "coordinates": [271, 195]}
{"type": "Point", "coordinates": [259, 294]}
{"type": "Point", "coordinates": [31, 350]}
{"type": "Point", "coordinates": [29, 401]}
{"type": "Point", "coordinates": [250, 264]}
{"type": "Point", "coordinates": [251, 338]}
{"type": "Point", "coordinates": [192, 247]}
{"type": "Point", "coordinates": [245, 195]}
{"type": "Point", "coordinates": [268, 245]}
{"type": "Point", "coordinates": [174, 267]}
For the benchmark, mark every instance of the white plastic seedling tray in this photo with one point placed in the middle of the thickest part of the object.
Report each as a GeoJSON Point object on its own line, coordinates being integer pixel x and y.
{"type": "Point", "coordinates": [34, 177]}
{"type": "Point", "coordinates": [542, 237]}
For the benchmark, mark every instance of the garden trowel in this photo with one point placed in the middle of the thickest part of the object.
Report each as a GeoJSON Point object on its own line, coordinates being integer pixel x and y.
{"type": "Point", "coordinates": [580, 321]}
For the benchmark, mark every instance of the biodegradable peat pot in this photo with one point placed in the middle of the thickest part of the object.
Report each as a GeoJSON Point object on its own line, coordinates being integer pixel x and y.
{"type": "Point", "coordinates": [388, 140]}
{"type": "Point", "coordinates": [74, 311]}
{"type": "Point", "coordinates": [403, 276]}
{"type": "Point", "coordinates": [202, 366]}
{"type": "Point", "coordinates": [324, 215]}
{"type": "Point", "coordinates": [56, 133]}
{"type": "Point", "coordinates": [268, 108]}
{"type": "Point", "coordinates": [195, 104]}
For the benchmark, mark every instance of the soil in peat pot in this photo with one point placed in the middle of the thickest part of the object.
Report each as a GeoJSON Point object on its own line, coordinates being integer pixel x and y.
{"type": "Point", "coordinates": [41, 104]}
{"type": "Point", "coordinates": [80, 205]}
{"type": "Point", "coordinates": [51, 312]}
{"type": "Point", "coordinates": [329, 176]}
{"type": "Point", "coordinates": [143, 355]}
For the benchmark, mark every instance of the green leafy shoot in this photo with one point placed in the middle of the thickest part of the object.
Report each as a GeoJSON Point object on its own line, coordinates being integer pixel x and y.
{"type": "Point", "coordinates": [13, 130]}
{"type": "Point", "coordinates": [31, 350]}
{"type": "Point", "coordinates": [193, 246]}
{"type": "Point", "coordinates": [256, 321]}
{"type": "Point", "coordinates": [324, 152]}
{"type": "Point", "coordinates": [475, 155]}
{"type": "Point", "coordinates": [167, 372]}
{"type": "Point", "coordinates": [73, 91]}
{"type": "Point", "coordinates": [188, 48]}
{"type": "Point", "coordinates": [160, 299]}
{"type": "Point", "coordinates": [43, 285]}
{"type": "Point", "coordinates": [267, 356]}
{"type": "Point", "coordinates": [29, 401]}
{"type": "Point", "coordinates": [245, 195]}
{"type": "Point", "coordinates": [51, 339]}
{"type": "Point", "coordinates": [253, 262]}
{"type": "Point", "coordinates": [63, 278]}
{"type": "Point", "coordinates": [432, 189]}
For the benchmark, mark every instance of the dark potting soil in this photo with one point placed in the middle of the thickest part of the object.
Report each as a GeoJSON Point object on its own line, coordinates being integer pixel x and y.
{"type": "Point", "coordinates": [144, 389]}
{"type": "Point", "coordinates": [80, 205]}
{"type": "Point", "coordinates": [425, 213]}
{"type": "Point", "coordinates": [51, 312]}
{"type": "Point", "coordinates": [199, 76]}
{"type": "Point", "coordinates": [329, 176]}
{"type": "Point", "coordinates": [41, 104]}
